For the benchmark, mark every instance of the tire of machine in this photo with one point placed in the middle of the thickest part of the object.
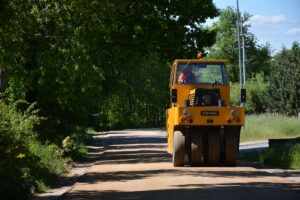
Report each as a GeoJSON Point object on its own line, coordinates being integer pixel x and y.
{"type": "Point", "coordinates": [214, 147]}
{"type": "Point", "coordinates": [196, 149]}
{"type": "Point", "coordinates": [178, 150]}
{"type": "Point", "coordinates": [231, 145]}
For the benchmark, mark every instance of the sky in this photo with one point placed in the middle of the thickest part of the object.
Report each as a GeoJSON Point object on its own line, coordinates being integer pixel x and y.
{"type": "Point", "coordinates": [273, 21]}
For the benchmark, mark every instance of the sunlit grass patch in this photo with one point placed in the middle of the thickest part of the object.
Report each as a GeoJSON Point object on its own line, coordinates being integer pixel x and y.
{"type": "Point", "coordinates": [286, 155]}
{"type": "Point", "coordinates": [265, 126]}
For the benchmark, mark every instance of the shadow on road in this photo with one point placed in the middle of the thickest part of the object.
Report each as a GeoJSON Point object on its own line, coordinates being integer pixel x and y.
{"type": "Point", "coordinates": [247, 191]}
{"type": "Point", "coordinates": [134, 149]}
{"type": "Point", "coordinates": [135, 156]}
{"type": "Point", "coordinates": [124, 176]}
{"type": "Point", "coordinates": [126, 148]}
{"type": "Point", "coordinates": [130, 149]}
{"type": "Point", "coordinates": [136, 139]}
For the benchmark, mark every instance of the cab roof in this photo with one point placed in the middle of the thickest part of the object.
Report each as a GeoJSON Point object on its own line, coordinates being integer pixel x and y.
{"type": "Point", "coordinates": [199, 61]}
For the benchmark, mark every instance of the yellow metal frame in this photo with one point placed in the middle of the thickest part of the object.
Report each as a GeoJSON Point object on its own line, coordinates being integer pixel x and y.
{"type": "Point", "coordinates": [175, 117]}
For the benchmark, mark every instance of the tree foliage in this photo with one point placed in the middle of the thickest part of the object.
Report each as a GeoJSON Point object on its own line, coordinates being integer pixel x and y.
{"type": "Point", "coordinates": [76, 58]}
{"type": "Point", "coordinates": [257, 98]}
{"type": "Point", "coordinates": [284, 89]}
{"type": "Point", "coordinates": [109, 57]}
{"type": "Point", "coordinates": [226, 46]}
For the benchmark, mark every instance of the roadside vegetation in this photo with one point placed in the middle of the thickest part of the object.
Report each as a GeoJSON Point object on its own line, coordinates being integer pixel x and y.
{"type": "Point", "coordinates": [286, 155]}
{"type": "Point", "coordinates": [272, 126]}
{"type": "Point", "coordinates": [103, 64]}
{"type": "Point", "coordinates": [69, 65]}
{"type": "Point", "coordinates": [268, 126]}
{"type": "Point", "coordinates": [28, 165]}
{"type": "Point", "coordinates": [273, 90]}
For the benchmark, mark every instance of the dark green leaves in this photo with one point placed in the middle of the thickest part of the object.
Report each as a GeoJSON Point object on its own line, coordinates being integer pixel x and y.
{"type": "Point", "coordinates": [226, 46]}
{"type": "Point", "coordinates": [76, 58]}
{"type": "Point", "coordinates": [284, 89]}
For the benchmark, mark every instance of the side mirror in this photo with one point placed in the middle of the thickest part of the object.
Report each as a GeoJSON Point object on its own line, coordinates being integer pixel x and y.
{"type": "Point", "coordinates": [243, 95]}
{"type": "Point", "coordinates": [174, 95]}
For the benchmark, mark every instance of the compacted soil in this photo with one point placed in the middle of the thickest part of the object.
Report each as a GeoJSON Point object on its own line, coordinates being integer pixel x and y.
{"type": "Point", "coordinates": [135, 165]}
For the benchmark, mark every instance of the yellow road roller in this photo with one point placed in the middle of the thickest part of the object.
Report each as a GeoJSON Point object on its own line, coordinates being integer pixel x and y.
{"type": "Point", "coordinates": [202, 124]}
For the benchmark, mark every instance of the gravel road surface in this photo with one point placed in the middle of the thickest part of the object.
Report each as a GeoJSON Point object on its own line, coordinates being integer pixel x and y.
{"type": "Point", "coordinates": [135, 166]}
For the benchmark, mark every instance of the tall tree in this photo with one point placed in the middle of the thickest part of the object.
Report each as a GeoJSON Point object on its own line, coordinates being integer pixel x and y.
{"type": "Point", "coordinates": [74, 58]}
{"type": "Point", "coordinates": [160, 30]}
{"type": "Point", "coordinates": [284, 81]}
{"type": "Point", "coordinates": [226, 46]}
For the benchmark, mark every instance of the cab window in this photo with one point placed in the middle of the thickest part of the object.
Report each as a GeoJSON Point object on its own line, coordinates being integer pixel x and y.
{"type": "Point", "coordinates": [201, 73]}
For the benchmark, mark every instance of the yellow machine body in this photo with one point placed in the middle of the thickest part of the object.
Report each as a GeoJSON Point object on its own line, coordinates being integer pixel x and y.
{"type": "Point", "coordinates": [183, 117]}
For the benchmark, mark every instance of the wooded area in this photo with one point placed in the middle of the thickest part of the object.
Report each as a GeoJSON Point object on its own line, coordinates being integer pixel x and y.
{"type": "Point", "coordinates": [107, 57]}
{"type": "Point", "coordinates": [272, 82]}
{"type": "Point", "coordinates": [73, 59]}
{"type": "Point", "coordinates": [68, 65]}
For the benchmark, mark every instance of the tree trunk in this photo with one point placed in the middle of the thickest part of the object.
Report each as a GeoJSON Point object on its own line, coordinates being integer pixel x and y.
{"type": "Point", "coordinates": [2, 81]}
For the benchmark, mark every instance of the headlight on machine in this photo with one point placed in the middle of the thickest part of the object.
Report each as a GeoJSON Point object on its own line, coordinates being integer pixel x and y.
{"type": "Point", "coordinates": [234, 113]}
{"type": "Point", "coordinates": [186, 113]}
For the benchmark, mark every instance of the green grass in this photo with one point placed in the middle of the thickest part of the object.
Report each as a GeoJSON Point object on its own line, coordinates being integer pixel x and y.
{"type": "Point", "coordinates": [284, 155]}
{"type": "Point", "coordinates": [264, 126]}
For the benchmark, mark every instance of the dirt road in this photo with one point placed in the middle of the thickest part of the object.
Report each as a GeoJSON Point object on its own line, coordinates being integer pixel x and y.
{"type": "Point", "coordinates": [136, 166]}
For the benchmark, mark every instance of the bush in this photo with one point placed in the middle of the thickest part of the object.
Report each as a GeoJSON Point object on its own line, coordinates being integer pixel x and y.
{"type": "Point", "coordinates": [256, 94]}
{"type": "Point", "coordinates": [74, 145]}
{"type": "Point", "coordinates": [284, 89]}
{"type": "Point", "coordinates": [284, 155]}
{"type": "Point", "coordinates": [25, 164]}
{"type": "Point", "coordinates": [48, 164]}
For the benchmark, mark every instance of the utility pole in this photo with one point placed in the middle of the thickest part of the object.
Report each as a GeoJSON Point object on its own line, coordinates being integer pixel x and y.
{"type": "Point", "coordinates": [239, 44]}
{"type": "Point", "coordinates": [244, 55]}
{"type": "Point", "coordinates": [241, 68]}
